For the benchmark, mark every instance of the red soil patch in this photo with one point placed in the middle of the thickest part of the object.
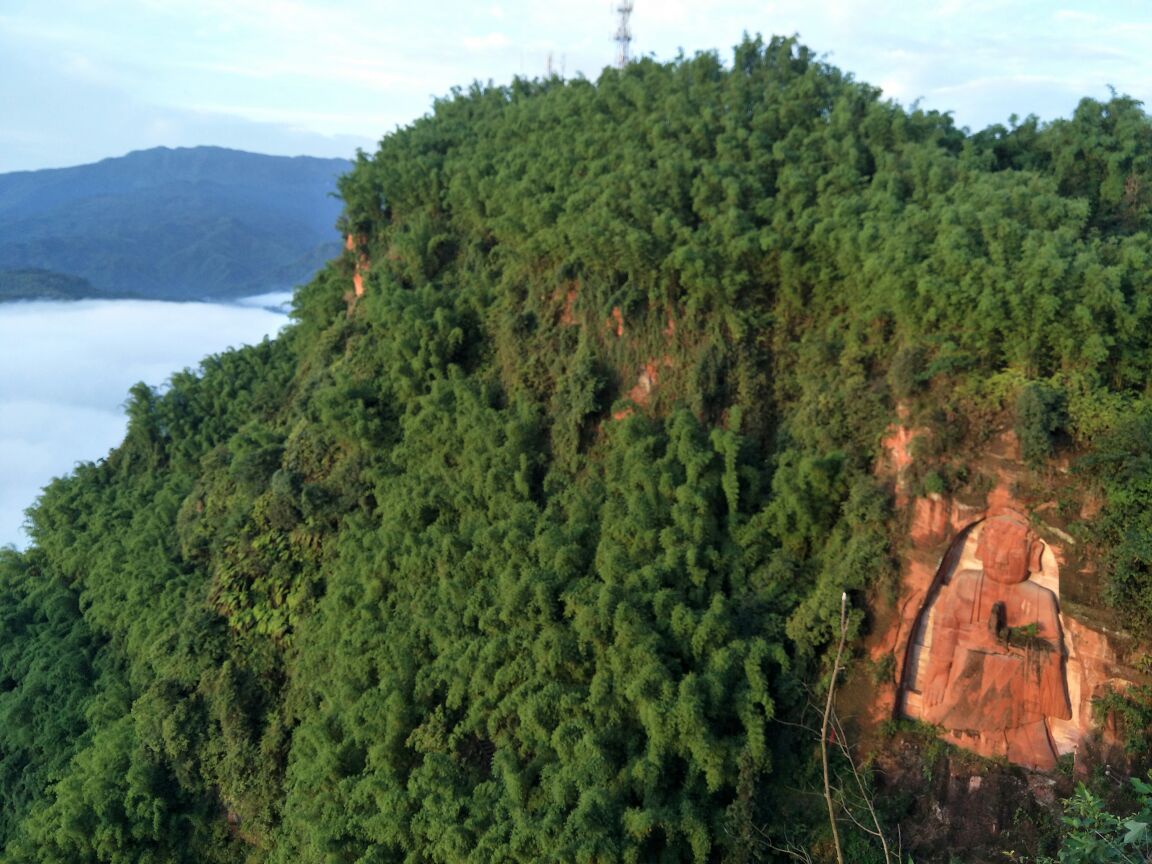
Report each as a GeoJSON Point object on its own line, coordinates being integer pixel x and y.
{"type": "Point", "coordinates": [616, 322]}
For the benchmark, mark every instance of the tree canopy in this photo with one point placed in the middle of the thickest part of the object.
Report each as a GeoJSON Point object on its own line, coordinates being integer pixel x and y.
{"type": "Point", "coordinates": [534, 551]}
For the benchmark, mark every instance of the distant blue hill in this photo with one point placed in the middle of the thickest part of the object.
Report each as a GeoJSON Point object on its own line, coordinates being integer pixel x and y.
{"type": "Point", "coordinates": [173, 224]}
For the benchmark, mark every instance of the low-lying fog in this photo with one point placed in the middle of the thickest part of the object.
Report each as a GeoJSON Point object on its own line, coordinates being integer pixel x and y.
{"type": "Point", "coordinates": [65, 371]}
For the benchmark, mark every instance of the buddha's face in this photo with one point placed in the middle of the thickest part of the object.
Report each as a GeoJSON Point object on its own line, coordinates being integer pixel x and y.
{"type": "Point", "coordinates": [1005, 547]}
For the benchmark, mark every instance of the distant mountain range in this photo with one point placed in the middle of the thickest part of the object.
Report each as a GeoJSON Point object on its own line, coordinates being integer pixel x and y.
{"type": "Point", "coordinates": [173, 224]}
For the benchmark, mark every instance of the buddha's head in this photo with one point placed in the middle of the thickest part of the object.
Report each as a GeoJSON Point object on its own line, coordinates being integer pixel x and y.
{"type": "Point", "coordinates": [1009, 550]}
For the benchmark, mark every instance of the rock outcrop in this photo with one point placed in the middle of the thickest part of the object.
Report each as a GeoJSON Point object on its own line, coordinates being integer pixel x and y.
{"type": "Point", "coordinates": [983, 645]}
{"type": "Point", "coordinates": [358, 246]}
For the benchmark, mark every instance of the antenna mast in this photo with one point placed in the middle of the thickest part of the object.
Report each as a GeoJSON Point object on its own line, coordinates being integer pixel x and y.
{"type": "Point", "coordinates": [623, 33]}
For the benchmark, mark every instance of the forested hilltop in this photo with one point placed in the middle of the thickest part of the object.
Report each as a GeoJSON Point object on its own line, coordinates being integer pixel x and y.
{"type": "Point", "coordinates": [534, 551]}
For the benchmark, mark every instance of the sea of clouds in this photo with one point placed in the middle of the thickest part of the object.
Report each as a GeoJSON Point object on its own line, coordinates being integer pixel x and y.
{"type": "Point", "coordinates": [65, 371]}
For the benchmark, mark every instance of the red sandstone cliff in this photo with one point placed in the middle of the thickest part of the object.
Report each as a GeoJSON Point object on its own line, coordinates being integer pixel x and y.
{"type": "Point", "coordinates": [941, 536]}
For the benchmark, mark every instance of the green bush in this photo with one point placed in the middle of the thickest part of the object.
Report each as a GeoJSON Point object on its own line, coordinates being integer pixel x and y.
{"type": "Point", "coordinates": [1040, 417]}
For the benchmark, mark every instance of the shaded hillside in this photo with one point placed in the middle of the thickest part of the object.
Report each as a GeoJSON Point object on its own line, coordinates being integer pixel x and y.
{"type": "Point", "coordinates": [43, 285]}
{"type": "Point", "coordinates": [189, 223]}
{"type": "Point", "coordinates": [535, 551]}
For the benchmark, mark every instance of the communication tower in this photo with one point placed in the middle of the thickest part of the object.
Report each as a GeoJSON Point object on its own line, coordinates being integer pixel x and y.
{"type": "Point", "coordinates": [623, 33]}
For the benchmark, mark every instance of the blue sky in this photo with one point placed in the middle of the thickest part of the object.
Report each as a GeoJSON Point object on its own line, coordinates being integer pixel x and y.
{"type": "Point", "coordinates": [81, 80]}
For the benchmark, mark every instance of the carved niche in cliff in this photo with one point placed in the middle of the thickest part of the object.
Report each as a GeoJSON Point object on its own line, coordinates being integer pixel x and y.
{"type": "Point", "coordinates": [987, 657]}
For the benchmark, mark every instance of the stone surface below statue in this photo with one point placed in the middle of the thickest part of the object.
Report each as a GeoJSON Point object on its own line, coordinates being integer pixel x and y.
{"type": "Point", "coordinates": [995, 666]}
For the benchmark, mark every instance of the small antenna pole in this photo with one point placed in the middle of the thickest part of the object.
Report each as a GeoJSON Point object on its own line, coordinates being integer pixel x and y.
{"type": "Point", "coordinates": [623, 33]}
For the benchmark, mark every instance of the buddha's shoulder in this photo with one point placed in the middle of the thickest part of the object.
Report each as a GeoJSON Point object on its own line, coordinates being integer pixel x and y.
{"type": "Point", "coordinates": [966, 579]}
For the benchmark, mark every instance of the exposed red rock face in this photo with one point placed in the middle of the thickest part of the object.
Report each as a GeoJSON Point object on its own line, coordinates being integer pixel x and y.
{"type": "Point", "coordinates": [936, 519]}
{"type": "Point", "coordinates": [616, 322]}
{"type": "Point", "coordinates": [568, 316]}
{"type": "Point", "coordinates": [357, 243]}
{"type": "Point", "coordinates": [992, 666]}
{"type": "Point", "coordinates": [646, 382]}
{"type": "Point", "coordinates": [648, 379]}
{"type": "Point", "coordinates": [564, 297]}
{"type": "Point", "coordinates": [897, 458]}
{"type": "Point", "coordinates": [981, 643]}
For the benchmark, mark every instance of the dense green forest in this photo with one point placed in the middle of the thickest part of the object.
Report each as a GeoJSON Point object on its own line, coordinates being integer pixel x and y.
{"type": "Point", "coordinates": [36, 284]}
{"type": "Point", "coordinates": [535, 551]}
{"type": "Point", "coordinates": [189, 223]}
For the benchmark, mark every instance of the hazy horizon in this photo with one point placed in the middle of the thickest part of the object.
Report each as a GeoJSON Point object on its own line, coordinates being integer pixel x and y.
{"type": "Point", "coordinates": [62, 392]}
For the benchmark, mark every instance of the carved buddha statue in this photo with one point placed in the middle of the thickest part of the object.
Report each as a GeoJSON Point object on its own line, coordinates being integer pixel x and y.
{"type": "Point", "coordinates": [996, 661]}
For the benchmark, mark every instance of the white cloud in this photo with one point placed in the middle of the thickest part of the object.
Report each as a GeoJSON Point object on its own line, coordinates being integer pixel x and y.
{"type": "Point", "coordinates": [360, 67]}
{"type": "Point", "coordinates": [41, 440]}
{"type": "Point", "coordinates": [1075, 16]}
{"type": "Point", "coordinates": [61, 392]}
{"type": "Point", "coordinates": [487, 42]}
{"type": "Point", "coordinates": [370, 73]}
{"type": "Point", "coordinates": [289, 117]}
{"type": "Point", "coordinates": [999, 82]}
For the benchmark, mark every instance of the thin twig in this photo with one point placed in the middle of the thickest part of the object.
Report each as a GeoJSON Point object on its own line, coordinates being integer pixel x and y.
{"type": "Point", "coordinates": [865, 797]}
{"type": "Point", "coordinates": [824, 726]}
{"type": "Point", "coordinates": [791, 849]}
